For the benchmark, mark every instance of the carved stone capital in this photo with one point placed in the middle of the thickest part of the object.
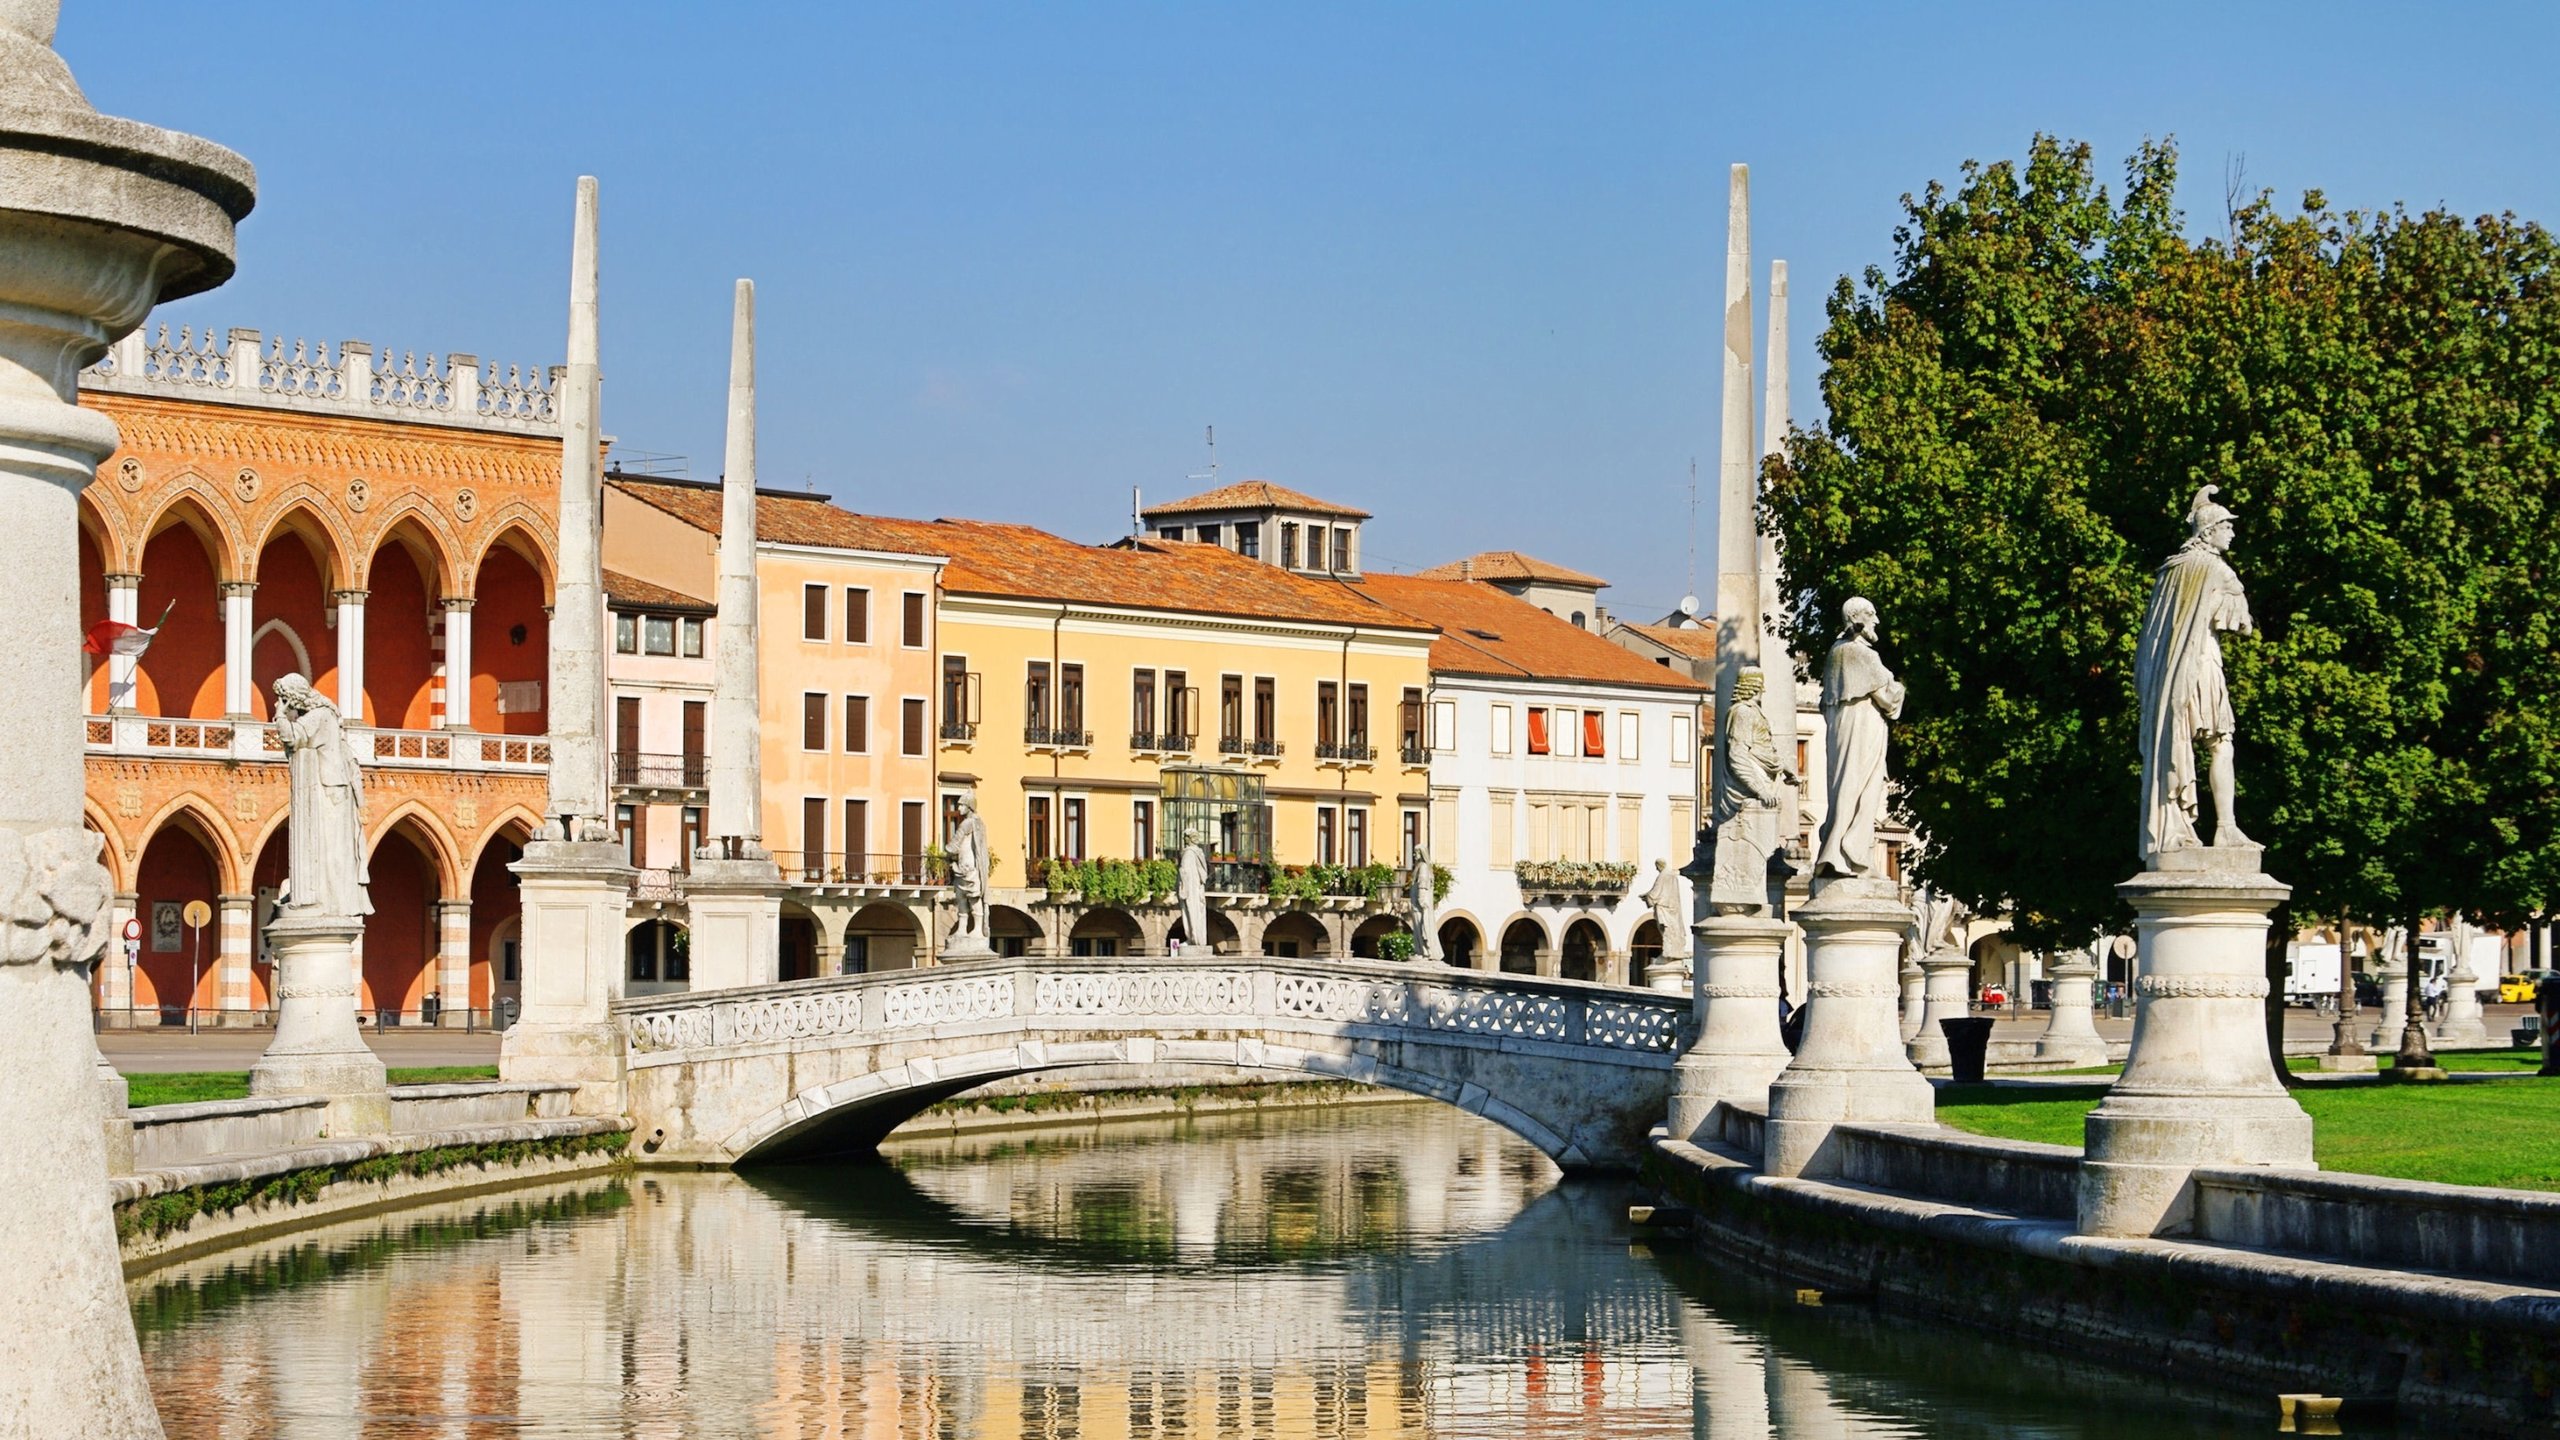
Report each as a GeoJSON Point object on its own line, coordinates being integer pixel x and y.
{"type": "Point", "coordinates": [53, 896]}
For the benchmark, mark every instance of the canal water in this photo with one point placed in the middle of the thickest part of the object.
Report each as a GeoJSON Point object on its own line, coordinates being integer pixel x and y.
{"type": "Point", "coordinates": [1399, 1270]}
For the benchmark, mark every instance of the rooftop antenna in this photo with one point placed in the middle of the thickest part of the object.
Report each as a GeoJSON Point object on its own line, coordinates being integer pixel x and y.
{"type": "Point", "coordinates": [1136, 504]}
{"type": "Point", "coordinates": [1212, 476]}
{"type": "Point", "coordinates": [1692, 587]}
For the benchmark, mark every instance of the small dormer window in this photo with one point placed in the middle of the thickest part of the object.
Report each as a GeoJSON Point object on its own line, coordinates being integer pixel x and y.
{"type": "Point", "coordinates": [1288, 544]}
{"type": "Point", "coordinates": [1170, 532]}
{"type": "Point", "coordinates": [1209, 535]}
{"type": "Point", "coordinates": [1342, 547]}
{"type": "Point", "coordinates": [1249, 539]}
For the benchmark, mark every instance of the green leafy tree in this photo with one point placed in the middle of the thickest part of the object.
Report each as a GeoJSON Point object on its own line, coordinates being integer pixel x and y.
{"type": "Point", "coordinates": [2018, 415]}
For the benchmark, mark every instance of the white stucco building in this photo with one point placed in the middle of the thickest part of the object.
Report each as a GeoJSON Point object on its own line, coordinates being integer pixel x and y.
{"type": "Point", "coordinates": [1562, 768]}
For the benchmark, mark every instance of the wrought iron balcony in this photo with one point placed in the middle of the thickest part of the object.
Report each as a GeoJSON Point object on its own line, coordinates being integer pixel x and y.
{"type": "Point", "coordinates": [660, 772]}
{"type": "Point", "coordinates": [1263, 748]}
{"type": "Point", "coordinates": [1346, 750]}
{"type": "Point", "coordinates": [960, 730]}
{"type": "Point", "coordinates": [1057, 737]}
{"type": "Point", "coordinates": [1168, 742]}
{"type": "Point", "coordinates": [873, 869]}
{"type": "Point", "coordinates": [1416, 753]}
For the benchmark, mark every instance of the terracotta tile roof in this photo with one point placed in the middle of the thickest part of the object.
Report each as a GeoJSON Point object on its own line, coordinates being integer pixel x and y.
{"type": "Point", "coordinates": [638, 594]}
{"type": "Point", "coordinates": [1252, 495]}
{"type": "Point", "coordinates": [1698, 642]}
{"type": "Point", "coordinates": [1511, 565]}
{"type": "Point", "coordinates": [1017, 560]}
{"type": "Point", "coordinates": [786, 519]}
{"type": "Point", "coordinates": [1486, 632]}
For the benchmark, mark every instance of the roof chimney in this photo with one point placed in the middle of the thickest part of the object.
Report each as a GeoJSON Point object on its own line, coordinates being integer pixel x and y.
{"type": "Point", "coordinates": [1467, 568]}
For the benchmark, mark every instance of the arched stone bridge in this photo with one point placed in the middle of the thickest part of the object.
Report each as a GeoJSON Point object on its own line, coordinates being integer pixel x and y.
{"type": "Point", "coordinates": [821, 1067]}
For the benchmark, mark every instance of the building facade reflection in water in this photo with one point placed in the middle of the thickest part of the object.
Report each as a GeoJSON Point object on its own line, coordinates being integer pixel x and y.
{"type": "Point", "coordinates": [1401, 1271]}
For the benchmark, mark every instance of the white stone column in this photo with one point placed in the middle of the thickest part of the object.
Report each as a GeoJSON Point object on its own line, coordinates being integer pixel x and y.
{"type": "Point", "coordinates": [102, 219]}
{"type": "Point", "coordinates": [350, 604]}
{"type": "Point", "coordinates": [1850, 1066]}
{"type": "Point", "coordinates": [2463, 1023]}
{"type": "Point", "coordinates": [235, 942]}
{"type": "Point", "coordinates": [457, 662]}
{"type": "Point", "coordinates": [1737, 1051]}
{"type": "Point", "coordinates": [1778, 671]}
{"type": "Point", "coordinates": [1737, 483]}
{"type": "Point", "coordinates": [453, 962]}
{"type": "Point", "coordinates": [238, 624]}
{"type": "Point", "coordinates": [2198, 1087]}
{"type": "Point", "coordinates": [124, 604]}
{"type": "Point", "coordinates": [733, 895]}
{"type": "Point", "coordinates": [317, 1049]}
{"type": "Point", "coordinates": [2394, 978]}
{"type": "Point", "coordinates": [1915, 1000]}
{"type": "Point", "coordinates": [1946, 994]}
{"type": "Point", "coordinates": [2071, 1026]}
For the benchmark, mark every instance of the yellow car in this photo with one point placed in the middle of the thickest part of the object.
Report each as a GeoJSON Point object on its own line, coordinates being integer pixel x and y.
{"type": "Point", "coordinates": [2518, 989]}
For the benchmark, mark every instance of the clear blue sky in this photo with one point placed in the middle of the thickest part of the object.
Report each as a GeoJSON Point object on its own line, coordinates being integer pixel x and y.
{"type": "Point", "coordinates": [1458, 264]}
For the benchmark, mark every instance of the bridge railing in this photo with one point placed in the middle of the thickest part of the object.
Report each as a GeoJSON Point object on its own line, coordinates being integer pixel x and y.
{"type": "Point", "coordinates": [1246, 992]}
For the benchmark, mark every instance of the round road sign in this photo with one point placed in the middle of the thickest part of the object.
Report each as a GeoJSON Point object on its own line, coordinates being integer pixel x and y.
{"type": "Point", "coordinates": [133, 927]}
{"type": "Point", "coordinates": [198, 914]}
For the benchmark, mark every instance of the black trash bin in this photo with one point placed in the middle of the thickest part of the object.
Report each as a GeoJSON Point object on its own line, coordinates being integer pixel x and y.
{"type": "Point", "coordinates": [1968, 1043]}
{"type": "Point", "coordinates": [430, 1010]}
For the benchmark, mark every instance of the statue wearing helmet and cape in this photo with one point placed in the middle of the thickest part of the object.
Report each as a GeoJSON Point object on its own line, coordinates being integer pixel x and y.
{"type": "Point", "coordinates": [2185, 706]}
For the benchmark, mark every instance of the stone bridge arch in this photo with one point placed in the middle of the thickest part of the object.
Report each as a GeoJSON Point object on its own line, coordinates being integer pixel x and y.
{"type": "Point", "coordinates": [827, 1068]}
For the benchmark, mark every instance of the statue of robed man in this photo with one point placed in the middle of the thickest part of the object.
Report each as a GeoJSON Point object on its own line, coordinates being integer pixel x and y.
{"type": "Point", "coordinates": [2177, 675]}
{"type": "Point", "coordinates": [1421, 887]}
{"type": "Point", "coordinates": [969, 873]}
{"type": "Point", "coordinates": [324, 848]}
{"type": "Point", "coordinates": [1860, 698]}
{"type": "Point", "coordinates": [1191, 891]}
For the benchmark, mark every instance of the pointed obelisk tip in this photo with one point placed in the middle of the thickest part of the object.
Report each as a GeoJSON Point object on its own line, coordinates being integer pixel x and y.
{"type": "Point", "coordinates": [742, 337]}
{"type": "Point", "coordinates": [1777, 279]}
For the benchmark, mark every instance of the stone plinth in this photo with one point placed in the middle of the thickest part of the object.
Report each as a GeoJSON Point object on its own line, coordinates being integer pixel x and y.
{"type": "Point", "coordinates": [733, 915]}
{"type": "Point", "coordinates": [575, 893]}
{"type": "Point", "coordinates": [2463, 1022]}
{"type": "Point", "coordinates": [1915, 999]}
{"type": "Point", "coordinates": [115, 1094]}
{"type": "Point", "coordinates": [2071, 1027]}
{"type": "Point", "coordinates": [1734, 1007]}
{"type": "Point", "coordinates": [1671, 975]}
{"type": "Point", "coordinates": [318, 1050]}
{"type": "Point", "coordinates": [2394, 979]}
{"type": "Point", "coordinates": [1850, 1066]}
{"type": "Point", "coordinates": [1947, 994]}
{"type": "Point", "coordinates": [2198, 1088]}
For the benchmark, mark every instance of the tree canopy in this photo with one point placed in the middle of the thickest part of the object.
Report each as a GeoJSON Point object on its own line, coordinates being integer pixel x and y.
{"type": "Point", "coordinates": [2018, 416]}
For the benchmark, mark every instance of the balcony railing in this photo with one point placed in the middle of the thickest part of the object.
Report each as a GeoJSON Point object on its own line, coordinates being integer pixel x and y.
{"type": "Point", "coordinates": [1416, 753]}
{"type": "Point", "coordinates": [1265, 748]}
{"type": "Point", "coordinates": [1167, 742]}
{"type": "Point", "coordinates": [1057, 737]}
{"type": "Point", "coordinates": [659, 885]}
{"type": "Point", "coordinates": [252, 740]}
{"type": "Point", "coordinates": [661, 772]}
{"type": "Point", "coordinates": [888, 869]}
{"type": "Point", "coordinates": [959, 730]}
{"type": "Point", "coordinates": [1349, 750]}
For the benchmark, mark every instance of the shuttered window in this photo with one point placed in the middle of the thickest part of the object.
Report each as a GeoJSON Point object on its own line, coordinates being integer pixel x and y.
{"type": "Point", "coordinates": [857, 724]}
{"type": "Point", "coordinates": [813, 721]}
{"type": "Point", "coordinates": [911, 727]}
{"type": "Point", "coordinates": [912, 635]}
{"type": "Point", "coordinates": [813, 612]}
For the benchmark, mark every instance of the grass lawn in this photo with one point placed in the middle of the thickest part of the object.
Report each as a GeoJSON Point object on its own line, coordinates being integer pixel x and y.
{"type": "Point", "coordinates": [2507, 1134]}
{"type": "Point", "coordinates": [2511, 1062]}
{"type": "Point", "coordinates": [187, 1087]}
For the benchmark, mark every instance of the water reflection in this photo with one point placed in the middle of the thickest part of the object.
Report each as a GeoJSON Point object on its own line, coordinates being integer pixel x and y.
{"type": "Point", "coordinates": [1360, 1273]}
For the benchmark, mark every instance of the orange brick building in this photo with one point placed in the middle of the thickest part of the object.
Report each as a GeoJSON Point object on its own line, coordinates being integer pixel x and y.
{"type": "Point", "coordinates": [383, 527]}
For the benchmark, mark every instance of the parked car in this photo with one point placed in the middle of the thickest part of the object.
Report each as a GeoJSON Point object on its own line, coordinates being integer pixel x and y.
{"type": "Point", "coordinates": [1993, 996]}
{"type": "Point", "coordinates": [2368, 988]}
{"type": "Point", "coordinates": [2517, 989]}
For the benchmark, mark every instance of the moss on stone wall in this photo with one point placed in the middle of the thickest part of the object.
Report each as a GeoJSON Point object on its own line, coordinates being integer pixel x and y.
{"type": "Point", "coordinates": [153, 1216]}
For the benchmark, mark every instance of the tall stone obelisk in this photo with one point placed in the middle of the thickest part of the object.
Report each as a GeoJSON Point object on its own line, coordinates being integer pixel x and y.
{"type": "Point", "coordinates": [1737, 472]}
{"type": "Point", "coordinates": [575, 879]}
{"type": "Point", "coordinates": [1778, 690]}
{"type": "Point", "coordinates": [99, 219]}
{"type": "Point", "coordinates": [733, 897]}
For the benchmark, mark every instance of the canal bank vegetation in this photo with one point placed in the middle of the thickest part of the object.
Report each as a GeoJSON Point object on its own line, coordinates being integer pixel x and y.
{"type": "Point", "coordinates": [2504, 1133]}
{"type": "Point", "coordinates": [188, 1087]}
{"type": "Point", "coordinates": [156, 1216]}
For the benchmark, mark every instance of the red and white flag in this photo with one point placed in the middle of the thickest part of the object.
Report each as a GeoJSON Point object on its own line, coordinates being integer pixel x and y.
{"type": "Point", "coordinates": [114, 637]}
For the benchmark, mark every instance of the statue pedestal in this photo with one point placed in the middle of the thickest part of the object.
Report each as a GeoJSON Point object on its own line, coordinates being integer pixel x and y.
{"type": "Point", "coordinates": [2198, 1088]}
{"type": "Point", "coordinates": [2394, 979]}
{"type": "Point", "coordinates": [1672, 977]}
{"type": "Point", "coordinates": [1734, 1007]}
{"type": "Point", "coordinates": [2463, 1022]}
{"type": "Point", "coordinates": [1850, 1066]}
{"type": "Point", "coordinates": [2071, 1027]}
{"type": "Point", "coordinates": [1946, 994]}
{"type": "Point", "coordinates": [733, 909]}
{"type": "Point", "coordinates": [575, 895]}
{"type": "Point", "coordinates": [1915, 1000]}
{"type": "Point", "coordinates": [318, 1050]}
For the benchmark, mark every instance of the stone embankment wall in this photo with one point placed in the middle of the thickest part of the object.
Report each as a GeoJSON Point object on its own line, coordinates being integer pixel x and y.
{"type": "Point", "coordinates": [2281, 1291]}
{"type": "Point", "coordinates": [217, 1174]}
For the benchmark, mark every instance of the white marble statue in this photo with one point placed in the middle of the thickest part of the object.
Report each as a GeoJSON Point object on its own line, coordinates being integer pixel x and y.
{"type": "Point", "coordinates": [1191, 889]}
{"type": "Point", "coordinates": [1751, 785]}
{"type": "Point", "coordinates": [324, 853]}
{"type": "Point", "coordinates": [1423, 901]}
{"type": "Point", "coordinates": [2177, 671]}
{"type": "Point", "coordinates": [1937, 923]}
{"type": "Point", "coordinates": [1860, 699]}
{"type": "Point", "coordinates": [1670, 907]}
{"type": "Point", "coordinates": [969, 876]}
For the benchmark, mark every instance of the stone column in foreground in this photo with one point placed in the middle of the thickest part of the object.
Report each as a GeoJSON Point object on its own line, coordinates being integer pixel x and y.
{"type": "Point", "coordinates": [1850, 1066]}
{"type": "Point", "coordinates": [1737, 1051]}
{"type": "Point", "coordinates": [99, 219]}
{"type": "Point", "coordinates": [733, 897]}
{"type": "Point", "coordinates": [576, 881]}
{"type": "Point", "coordinates": [1915, 999]}
{"type": "Point", "coordinates": [317, 1048]}
{"type": "Point", "coordinates": [2463, 1022]}
{"type": "Point", "coordinates": [2198, 1088]}
{"type": "Point", "coordinates": [2071, 1027]}
{"type": "Point", "coordinates": [2394, 978]}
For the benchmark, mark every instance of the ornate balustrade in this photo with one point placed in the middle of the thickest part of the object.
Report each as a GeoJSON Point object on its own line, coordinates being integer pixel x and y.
{"type": "Point", "coordinates": [355, 379]}
{"type": "Point", "coordinates": [256, 740]}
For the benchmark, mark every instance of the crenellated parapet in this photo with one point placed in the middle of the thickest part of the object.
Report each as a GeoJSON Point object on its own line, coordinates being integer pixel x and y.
{"type": "Point", "coordinates": [243, 367]}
